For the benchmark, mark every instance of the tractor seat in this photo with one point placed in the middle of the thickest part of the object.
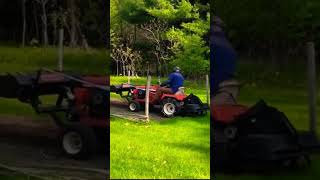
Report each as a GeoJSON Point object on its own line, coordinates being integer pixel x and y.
{"type": "Point", "coordinates": [227, 113]}
{"type": "Point", "coordinates": [180, 91]}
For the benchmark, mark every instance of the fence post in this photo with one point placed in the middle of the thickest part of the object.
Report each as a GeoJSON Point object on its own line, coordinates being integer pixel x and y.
{"type": "Point", "coordinates": [60, 62]}
{"type": "Point", "coordinates": [312, 86]}
{"type": "Point", "coordinates": [147, 98]}
{"type": "Point", "coordinates": [129, 76]}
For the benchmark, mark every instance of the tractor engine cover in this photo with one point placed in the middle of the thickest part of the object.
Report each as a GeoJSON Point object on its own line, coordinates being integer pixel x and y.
{"type": "Point", "coordinates": [99, 103]}
{"type": "Point", "coordinates": [141, 93]}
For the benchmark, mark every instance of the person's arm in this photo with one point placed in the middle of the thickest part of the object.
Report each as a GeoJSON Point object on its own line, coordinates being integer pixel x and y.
{"type": "Point", "coordinates": [164, 83]}
{"type": "Point", "coordinates": [171, 76]}
{"type": "Point", "coordinates": [168, 81]}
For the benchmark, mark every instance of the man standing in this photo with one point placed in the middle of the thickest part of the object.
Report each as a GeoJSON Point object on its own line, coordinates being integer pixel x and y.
{"type": "Point", "coordinates": [174, 82]}
{"type": "Point", "coordinates": [223, 56]}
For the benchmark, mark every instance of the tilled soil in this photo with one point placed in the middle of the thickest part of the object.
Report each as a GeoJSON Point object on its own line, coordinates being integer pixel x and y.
{"type": "Point", "coordinates": [119, 108]}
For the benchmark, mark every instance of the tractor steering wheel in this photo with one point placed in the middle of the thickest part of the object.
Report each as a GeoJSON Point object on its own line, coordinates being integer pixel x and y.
{"type": "Point", "coordinates": [164, 84]}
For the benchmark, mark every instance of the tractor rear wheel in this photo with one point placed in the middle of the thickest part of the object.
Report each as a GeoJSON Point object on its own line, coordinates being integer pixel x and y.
{"type": "Point", "coordinates": [78, 141]}
{"type": "Point", "coordinates": [169, 107]}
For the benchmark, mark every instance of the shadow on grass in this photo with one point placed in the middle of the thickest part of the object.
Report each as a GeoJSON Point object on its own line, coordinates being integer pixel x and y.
{"type": "Point", "coordinates": [263, 171]}
{"type": "Point", "coordinates": [198, 119]}
{"type": "Point", "coordinates": [191, 146]}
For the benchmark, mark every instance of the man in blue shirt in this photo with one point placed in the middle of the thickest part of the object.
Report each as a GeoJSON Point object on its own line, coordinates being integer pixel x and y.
{"type": "Point", "coordinates": [223, 56]}
{"type": "Point", "coordinates": [174, 82]}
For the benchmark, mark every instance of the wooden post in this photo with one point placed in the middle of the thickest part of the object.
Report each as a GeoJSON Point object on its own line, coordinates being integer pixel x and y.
{"type": "Point", "coordinates": [312, 86]}
{"type": "Point", "coordinates": [208, 89]}
{"type": "Point", "coordinates": [159, 80]}
{"type": "Point", "coordinates": [60, 62]}
{"type": "Point", "coordinates": [148, 69]}
{"type": "Point", "coordinates": [147, 98]}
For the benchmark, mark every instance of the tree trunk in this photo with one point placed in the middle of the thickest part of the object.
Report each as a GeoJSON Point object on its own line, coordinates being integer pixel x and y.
{"type": "Point", "coordinates": [60, 63]}
{"type": "Point", "coordinates": [73, 31]}
{"type": "Point", "coordinates": [24, 23]}
{"type": "Point", "coordinates": [45, 23]}
{"type": "Point", "coordinates": [117, 67]}
{"type": "Point", "coordinates": [123, 69]}
{"type": "Point", "coordinates": [35, 15]}
{"type": "Point", "coordinates": [85, 44]}
{"type": "Point", "coordinates": [55, 32]}
{"type": "Point", "coordinates": [84, 41]}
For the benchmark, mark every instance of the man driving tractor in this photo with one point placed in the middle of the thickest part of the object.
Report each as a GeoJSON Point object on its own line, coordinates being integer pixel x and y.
{"type": "Point", "coordinates": [171, 86]}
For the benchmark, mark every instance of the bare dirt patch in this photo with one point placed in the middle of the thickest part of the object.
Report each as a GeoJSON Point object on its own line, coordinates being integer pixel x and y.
{"type": "Point", "coordinates": [119, 108]}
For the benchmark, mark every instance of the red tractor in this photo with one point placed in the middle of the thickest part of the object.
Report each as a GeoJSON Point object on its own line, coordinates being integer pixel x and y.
{"type": "Point", "coordinates": [81, 108]}
{"type": "Point", "coordinates": [170, 104]}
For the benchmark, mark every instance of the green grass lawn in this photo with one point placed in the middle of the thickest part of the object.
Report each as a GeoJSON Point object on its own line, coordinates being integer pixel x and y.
{"type": "Point", "coordinates": [288, 93]}
{"type": "Point", "coordinates": [173, 148]}
{"type": "Point", "coordinates": [94, 61]}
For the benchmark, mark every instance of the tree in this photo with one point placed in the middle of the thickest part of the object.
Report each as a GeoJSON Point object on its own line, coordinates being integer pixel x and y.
{"type": "Point", "coordinates": [188, 46]}
{"type": "Point", "coordinates": [163, 30]}
{"type": "Point", "coordinates": [44, 19]}
{"type": "Point", "coordinates": [73, 23]}
{"type": "Point", "coordinates": [154, 32]}
{"type": "Point", "coordinates": [24, 22]}
{"type": "Point", "coordinates": [123, 53]}
{"type": "Point", "coordinates": [275, 30]}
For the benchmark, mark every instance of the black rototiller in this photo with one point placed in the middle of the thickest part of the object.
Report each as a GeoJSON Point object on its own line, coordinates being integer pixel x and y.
{"type": "Point", "coordinates": [255, 136]}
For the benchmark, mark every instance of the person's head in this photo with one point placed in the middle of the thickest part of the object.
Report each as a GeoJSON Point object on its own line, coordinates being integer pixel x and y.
{"type": "Point", "coordinates": [217, 24]}
{"type": "Point", "coordinates": [176, 69]}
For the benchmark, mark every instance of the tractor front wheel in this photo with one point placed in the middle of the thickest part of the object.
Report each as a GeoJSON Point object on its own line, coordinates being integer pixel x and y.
{"type": "Point", "coordinates": [134, 106]}
{"type": "Point", "coordinates": [78, 141]}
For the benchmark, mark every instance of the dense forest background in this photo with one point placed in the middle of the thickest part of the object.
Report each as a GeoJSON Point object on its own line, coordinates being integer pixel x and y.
{"type": "Point", "coordinates": [155, 35]}
{"type": "Point", "coordinates": [274, 31]}
{"type": "Point", "coordinates": [36, 22]}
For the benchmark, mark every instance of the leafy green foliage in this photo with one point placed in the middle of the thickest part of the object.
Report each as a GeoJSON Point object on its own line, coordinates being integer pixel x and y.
{"type": "Point", "coordinates": [133, 11]}
{"type": "Point", "coordinates": [188, 46]}
{"type": "Point", "coordinates": [189, 53]}
{"type": "Point", "coordinates": [182, 42]}
{"type": "Point", "coordinates": [264, 28]}
{"type": "Point", "coordinates": [173, 10]}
